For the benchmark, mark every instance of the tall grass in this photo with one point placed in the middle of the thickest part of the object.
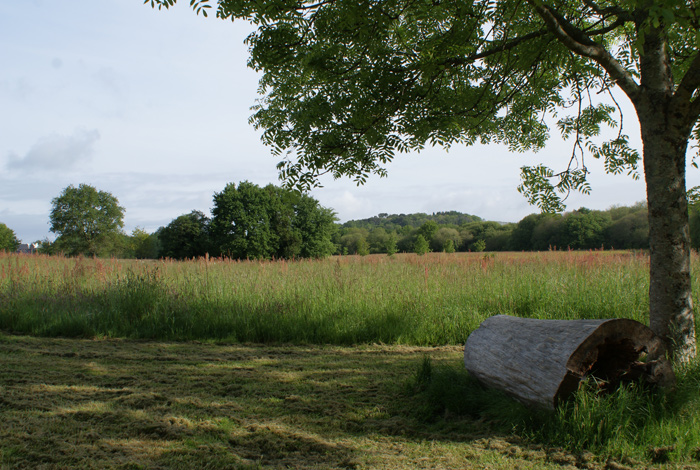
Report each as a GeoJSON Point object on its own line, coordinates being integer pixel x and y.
{"type": "Point", "coordinates": [633, 423]}
{"type": "Point", "coordinates": [437, 298]}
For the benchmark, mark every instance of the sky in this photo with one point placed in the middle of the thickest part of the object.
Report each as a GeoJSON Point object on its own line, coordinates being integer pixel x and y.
{"type": "Point", "coordinates": [153, 106]}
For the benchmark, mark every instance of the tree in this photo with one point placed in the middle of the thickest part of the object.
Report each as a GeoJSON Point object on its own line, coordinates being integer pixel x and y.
{"type": "Point", "coordinates": [144, 245]}
{"type": "Point", "coordinates": [421, 246]}
{"type": "Point", "coordinates": [585, 229]}
{"type": "Point", "coordinates": [8, 239]}
{"type": "Point", "coordinates": [261, 223]}
{"type": "Point", "coordinates": [479, 245]}
{"type": "Point", "coordinates": [443, 237]}
{"type": "Point", "coordinates": [631, 230]}
{"type": "Point", "coordinates": [187, 236]}
{"type": "Point", "coordinates": [428, 230]}
{"type": "Point", "coordinates": [348, 84]}
{"type": "Point", "coordinates": [315, 225]}
{"type": "Point", "coordinates": [391, 244]}
{"type": "Point", "coordinates": [87, 221]}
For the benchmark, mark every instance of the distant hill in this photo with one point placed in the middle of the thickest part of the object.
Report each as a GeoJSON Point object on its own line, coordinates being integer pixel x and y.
{"type": "Point", "coordinates": [395, 221]}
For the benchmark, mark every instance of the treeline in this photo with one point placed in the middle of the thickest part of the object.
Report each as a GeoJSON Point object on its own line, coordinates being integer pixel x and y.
{"type": "Point", "coordinates": [617, 227]}
{"type": "Point", "coordinates": [247, 221]}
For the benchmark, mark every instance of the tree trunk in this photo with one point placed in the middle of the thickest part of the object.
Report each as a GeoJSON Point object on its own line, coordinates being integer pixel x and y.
{"type": "Point", "coordinates": [542, 362]}
{"type": "Point", "coordinates": [665, 140]}
{"type": "Point", "coordinates": [666, 124]}
{"type": "Point", "coordinates": [670, 297]}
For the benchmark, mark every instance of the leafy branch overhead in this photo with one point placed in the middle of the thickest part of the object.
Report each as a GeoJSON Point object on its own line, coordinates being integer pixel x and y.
{"type": "Point", "coordinates": [346, 85]}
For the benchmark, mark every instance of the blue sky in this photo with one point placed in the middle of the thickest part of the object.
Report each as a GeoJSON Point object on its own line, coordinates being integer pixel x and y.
{"type": "Point", "coordinates": [153, 107]}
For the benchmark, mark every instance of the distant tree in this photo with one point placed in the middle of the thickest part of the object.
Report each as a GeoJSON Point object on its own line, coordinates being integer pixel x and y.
{"type": "Point", "coordinates": [377, 240]}
{"type": "Point", "coordinates": [421, 246]}
{"type": "Point", "coordinates": [144, 245]}
{"type": "Point", "coordinates": [522, 238]}
{"type": "Point", "coordinates": [479, 245]}
{"type": "Point", "coordinates": [428, 230]}
{"type": "Point", "coordinates": [46, 247]}
{"type": "Point", "coordinates": [187, 236]}
{"type": "Point", "coordinates": [315, 225]}
{"type": "Point", "coordinates": [352, 238]}
{"type": "Point", "coordinates": [87, 221]}
{"type": "Point", "coordinates": [261, 223]}
{"type": "Point", "coordinates": [443, 236]}
{"type": "Point", "coordinates": [585, 229]}
{"type": "Point", "coordinates": [362, 247]}
{"type": "Point", "coordinates": [547, 235]}
{"type": "Point", "coordinates": [391, 246]}
{"type": "Point", "coordinates": [629, 231]}
{"type": "Point", "coordinates": [449, 246]}
{"type": "Point", "coordinates": [8, 239]}
{"type": "Point", "coordinates": [500, 239]}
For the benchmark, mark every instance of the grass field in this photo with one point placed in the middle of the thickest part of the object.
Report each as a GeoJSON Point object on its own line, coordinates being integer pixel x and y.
{"type": "Point", "coordinates": [435, 299]}
{"type": "Point", "coordinates": [352, 362]}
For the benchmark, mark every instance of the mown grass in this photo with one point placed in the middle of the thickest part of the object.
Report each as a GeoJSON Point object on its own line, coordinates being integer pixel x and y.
{"type": "Point", "coordinates": [103, 403]}
{"type": "Point", "coordinates": [434, 299]}
{"type": "Point", "coordinates": [344, 373]}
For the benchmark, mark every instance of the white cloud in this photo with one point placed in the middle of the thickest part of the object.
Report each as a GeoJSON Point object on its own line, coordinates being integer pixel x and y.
{"type": "Point", "coordinates": [57, 152]}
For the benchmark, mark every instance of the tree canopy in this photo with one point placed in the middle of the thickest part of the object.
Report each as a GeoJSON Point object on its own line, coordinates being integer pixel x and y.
{"type": "Point", "coordinates": [270, 222]}
{"type": "Point", "coordinates": [347, 84]}
{"type": "Point", "coordinates": [8, 239]}
{"type": "Point", "coordinates": [86, 220]}
{"type": "Point", "coordinates": [187, 236]}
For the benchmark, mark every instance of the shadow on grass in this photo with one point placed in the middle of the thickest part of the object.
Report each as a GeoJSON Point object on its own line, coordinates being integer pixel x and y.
{"type": "Point", "coordinates": [144, 404]}
{"type": "Point", "coordinates": [132, 404]}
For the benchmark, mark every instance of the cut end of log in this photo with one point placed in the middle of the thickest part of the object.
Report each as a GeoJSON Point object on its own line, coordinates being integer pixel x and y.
{"type": "Point", "coordinates": [542, 362]}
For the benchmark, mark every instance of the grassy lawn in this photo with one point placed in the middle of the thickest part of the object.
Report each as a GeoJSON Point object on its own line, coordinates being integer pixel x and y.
{"type": "Point", "coordinates": [75, 403]}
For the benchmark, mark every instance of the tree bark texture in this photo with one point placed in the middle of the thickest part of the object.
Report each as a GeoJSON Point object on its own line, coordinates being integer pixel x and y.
{"type": "Point", "coordinates": [666, 124]}
{"type": "Point", "coordinates": [542, 362]}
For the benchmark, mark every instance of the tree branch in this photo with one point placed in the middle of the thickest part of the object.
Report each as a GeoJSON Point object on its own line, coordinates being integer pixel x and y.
{"type": "Point", "coordinates": [617, 11]}
{"type": "Point", "coordinates": [508, 45]}
{"type": "Point", "coordinates": [578, 42]}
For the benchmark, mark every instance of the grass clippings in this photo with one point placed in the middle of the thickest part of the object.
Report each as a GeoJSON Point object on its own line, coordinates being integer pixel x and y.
{"type": "Point", "coordinates": [67, 403]}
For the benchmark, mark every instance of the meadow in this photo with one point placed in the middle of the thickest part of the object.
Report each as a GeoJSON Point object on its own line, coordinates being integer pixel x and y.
{"type": "Point", "coordinates": [346, 362]}
{"type": "Point", "coordinates": [435, 299]}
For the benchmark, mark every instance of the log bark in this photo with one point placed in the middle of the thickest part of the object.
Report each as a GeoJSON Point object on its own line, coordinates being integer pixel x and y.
{"type": "Point", "coordinates": [542, 362]}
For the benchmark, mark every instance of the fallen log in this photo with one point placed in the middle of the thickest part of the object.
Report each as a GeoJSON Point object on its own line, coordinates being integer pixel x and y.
{"type": "Point", "coordinates": [542, 362]}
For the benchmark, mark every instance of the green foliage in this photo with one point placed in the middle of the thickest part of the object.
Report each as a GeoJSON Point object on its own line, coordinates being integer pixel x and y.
{"type": "Point", "coordinates": [428, 230]}
{"type": "Point", "coordinates": [391, 247]}
{"type": "Point", "coordinates": [619, 227]}
{"type": "Point", "coordinates": [694, 222]}
{"type": "Point", "coordinates": [362, 247]}
{"type": "Point", "coordinates": [633, 422]}
{"type": "Point", "coordinates": [348, 85]}
{"type": "Point", "coordinates": [421, 245]}
{"type": "Point", "coordinates": [397, 222]}
{"type": "Point", "coordinates": [585, 229]}
{"type": "Point", "coordinates": [479, 245]}
{"type": "Point", "coordinates": [187, 236]}
{"type": "Point", "coordinates": [87, 221]}
{"type": "Point", "coordinates": [271, 222]}
{"type": "Point", "coordinates": [354, 240]}
{"type": "Point", "coordinates": [445, 236]}
{"type": "Point", "coordinates": [8, 239]}
{"type": "Point", "coordinates": [145, 245]}
{"type": "Point", "coordinates": [449, 247]}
